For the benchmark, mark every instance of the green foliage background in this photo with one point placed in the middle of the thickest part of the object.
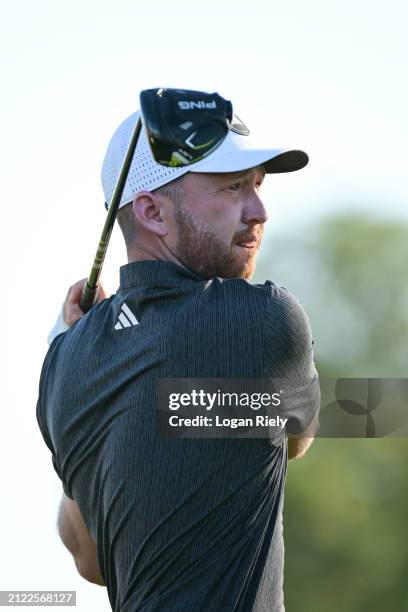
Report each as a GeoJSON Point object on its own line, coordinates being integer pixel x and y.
{"type": "Point", "coordinates": [346, 502]}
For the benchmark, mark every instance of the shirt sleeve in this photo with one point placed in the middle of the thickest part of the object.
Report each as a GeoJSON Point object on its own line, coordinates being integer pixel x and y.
{"type": "Point", "coordinates": [289, 360]}
{"type": "Point", "coordinates": [59, 328]}
{"type": "Point", "coordinates": [42, 414]}
{"type": "Point", "coordinates": [65, 487]}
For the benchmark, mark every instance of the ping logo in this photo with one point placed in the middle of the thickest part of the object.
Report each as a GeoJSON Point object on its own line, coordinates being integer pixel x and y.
{"type": "Point", "coordinates": [126, 318]}
{"type": "Point", "coordinates": [189, 105]}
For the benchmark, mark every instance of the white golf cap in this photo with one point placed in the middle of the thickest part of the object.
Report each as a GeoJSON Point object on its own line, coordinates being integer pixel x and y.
{"type": "Point", "coordinates": [239, 151]}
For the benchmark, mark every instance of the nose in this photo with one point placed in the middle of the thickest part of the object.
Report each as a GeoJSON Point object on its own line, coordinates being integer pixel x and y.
{"type": "Point", "coordinates": [254, 210]}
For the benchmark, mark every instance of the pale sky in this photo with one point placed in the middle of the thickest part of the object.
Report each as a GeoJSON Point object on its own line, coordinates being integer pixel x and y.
{"type": "Point", "coordinates": [327, 76]}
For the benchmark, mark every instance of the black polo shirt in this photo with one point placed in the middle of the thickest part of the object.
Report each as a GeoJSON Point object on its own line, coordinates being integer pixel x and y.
{"type": "Point", "coordinates": [180, 524]}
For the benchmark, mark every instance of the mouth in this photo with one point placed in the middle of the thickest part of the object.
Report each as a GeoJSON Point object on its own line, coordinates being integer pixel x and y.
{"type": "Point", "coordinates": [249, 243]}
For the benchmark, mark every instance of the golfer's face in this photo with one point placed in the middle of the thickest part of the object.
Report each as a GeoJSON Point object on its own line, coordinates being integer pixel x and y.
{"type": "Point", "coordinates": [220, 222]}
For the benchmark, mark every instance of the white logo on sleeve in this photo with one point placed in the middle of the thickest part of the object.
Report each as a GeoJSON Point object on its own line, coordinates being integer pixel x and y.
{"type": "Point", "coordinates": [126, 318]}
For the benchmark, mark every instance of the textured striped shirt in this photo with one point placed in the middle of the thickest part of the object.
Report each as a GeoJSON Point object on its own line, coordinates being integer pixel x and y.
{"type": "Point", "coordinates": [180, 524]}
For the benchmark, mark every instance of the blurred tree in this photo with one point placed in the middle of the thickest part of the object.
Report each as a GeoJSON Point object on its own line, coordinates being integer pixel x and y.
{"type": "Point", "coordinates": [351, 275]}
{"type": "Point", "coordinates": [346, 503]}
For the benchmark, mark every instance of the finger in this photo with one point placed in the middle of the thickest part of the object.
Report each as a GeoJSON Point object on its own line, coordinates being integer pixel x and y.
{"type": "Point", "coordinates": [72, 313]}
{"type": "Point", "coordinates": [75, 292]}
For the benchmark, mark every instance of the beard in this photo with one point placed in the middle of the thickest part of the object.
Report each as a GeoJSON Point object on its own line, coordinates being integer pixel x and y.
{"type": "Point", "coordinates": [202, 251]}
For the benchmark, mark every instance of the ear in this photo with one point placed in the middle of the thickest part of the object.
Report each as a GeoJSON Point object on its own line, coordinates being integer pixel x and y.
{"type": "Point", "coordinates": [148, 209]}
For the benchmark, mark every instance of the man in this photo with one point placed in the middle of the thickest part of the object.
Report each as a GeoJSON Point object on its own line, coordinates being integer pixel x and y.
{"type": "Point", "coordinates": [178, 523]}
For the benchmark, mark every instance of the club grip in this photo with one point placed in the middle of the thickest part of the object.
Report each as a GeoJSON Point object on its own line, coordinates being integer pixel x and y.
{"type": "Point", "coordinates": [88, 297]}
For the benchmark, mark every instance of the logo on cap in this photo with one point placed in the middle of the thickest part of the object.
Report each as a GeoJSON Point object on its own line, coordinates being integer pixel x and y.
{"type": "Point", "coordinates": [239, 127]}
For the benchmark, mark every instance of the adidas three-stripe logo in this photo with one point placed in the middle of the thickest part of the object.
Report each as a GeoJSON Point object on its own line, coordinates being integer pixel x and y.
{"type": "Point", "coordinates": [126, 318]}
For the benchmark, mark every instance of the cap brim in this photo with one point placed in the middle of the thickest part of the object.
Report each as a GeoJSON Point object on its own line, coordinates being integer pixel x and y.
{"type": "Point", "coordinates": [287, 161]}
{"type": "Point", "coordinates": [274, 160]}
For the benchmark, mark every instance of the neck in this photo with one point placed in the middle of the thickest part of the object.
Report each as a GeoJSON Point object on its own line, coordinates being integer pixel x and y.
{"type": "Point", "coordinates": [158, 252]}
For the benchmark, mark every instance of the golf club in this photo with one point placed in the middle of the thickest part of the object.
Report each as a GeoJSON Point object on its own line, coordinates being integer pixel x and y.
{"type": "Point", "coordinates": [182, 127]}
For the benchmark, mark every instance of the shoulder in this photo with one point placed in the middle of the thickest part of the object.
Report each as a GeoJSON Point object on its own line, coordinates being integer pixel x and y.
{"type": "Point", "coordinates": [67, 348]}
{"type": "Point", "coordinates": [288, 334]}
{"type": "Point", "coordinates": [237, 288]}
{"type": "Point", "coordinates": [285, 310]}
{"type": "Point", "coordinates": [274, 301]}
{"type": "Point", "coordinates": [276, 309]}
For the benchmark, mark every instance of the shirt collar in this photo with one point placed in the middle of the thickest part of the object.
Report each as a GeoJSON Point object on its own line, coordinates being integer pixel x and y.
{"type": "Point", "coordinates": [151, 272]}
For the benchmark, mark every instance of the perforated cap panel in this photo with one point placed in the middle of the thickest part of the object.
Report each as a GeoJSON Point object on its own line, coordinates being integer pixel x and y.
{"type": "Point", "coordinates": [144, 174]}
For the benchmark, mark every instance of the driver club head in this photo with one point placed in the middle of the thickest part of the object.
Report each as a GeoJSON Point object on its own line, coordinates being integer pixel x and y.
{"type": "Point", "coordinates": [184, 126]}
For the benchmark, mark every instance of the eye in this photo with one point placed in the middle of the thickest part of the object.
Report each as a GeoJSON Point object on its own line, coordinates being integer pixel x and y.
{"type": "Point", "coordinates": [234, 186]}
